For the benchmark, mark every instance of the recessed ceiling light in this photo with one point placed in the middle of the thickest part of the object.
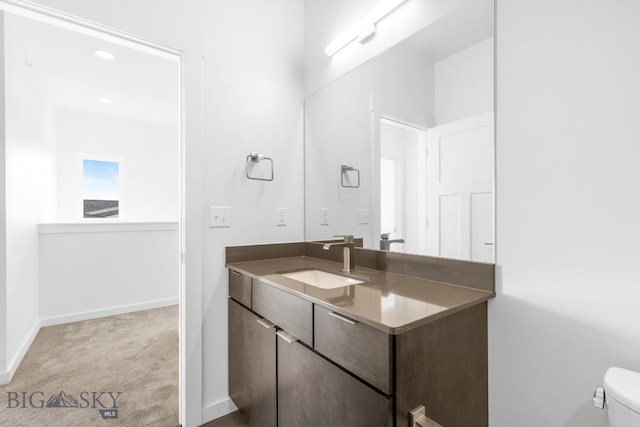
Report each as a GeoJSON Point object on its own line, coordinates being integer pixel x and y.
{"type": "Point", "coordinates": [105, 100]}
{"type": "Point", "coordinates": [104, 54]}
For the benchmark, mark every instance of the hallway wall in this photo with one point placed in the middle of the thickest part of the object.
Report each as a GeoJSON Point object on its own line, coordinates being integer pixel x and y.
{"type": "Point", "coordinates": [147, 153]}
{"type": "Point", "coordinates": [94, 270]}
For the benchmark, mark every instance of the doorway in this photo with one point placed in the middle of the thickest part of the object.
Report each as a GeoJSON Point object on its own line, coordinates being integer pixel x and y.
{"type": "Point", "coordinates": [70, 197]}
{"type": "Point", "coordinates": [403, 183]}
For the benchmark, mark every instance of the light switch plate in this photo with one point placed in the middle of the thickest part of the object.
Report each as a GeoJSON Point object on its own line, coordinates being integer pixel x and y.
{"type": "Point", "coordinates": [219, 216]}
{"type": "Point", "coordinates": [363, 216]}
{"type": "Point", "coordinates": [281, 217]}
{"type": "Point", "coordinates": [324, 216]}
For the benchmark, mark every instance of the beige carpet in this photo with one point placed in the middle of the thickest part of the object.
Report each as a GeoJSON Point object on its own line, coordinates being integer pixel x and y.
{"type": "Point", "coordinates": [68, 366]}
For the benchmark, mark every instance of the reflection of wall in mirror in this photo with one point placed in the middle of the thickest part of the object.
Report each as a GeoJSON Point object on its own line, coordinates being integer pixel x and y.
{"type": "Point", "coordinates": [338, 130]}
{"type": "Point", "coordinates": [464, 83]}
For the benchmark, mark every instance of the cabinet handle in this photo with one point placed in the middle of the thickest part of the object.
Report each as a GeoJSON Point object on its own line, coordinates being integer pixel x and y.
{"type": "Point", "coordinates": [265, 323]}
{"type": "Point", "coordinates": [344, 319]}
{"type": "Point", "coordinates": [234, 272]}
{"type": "Point", "coordinates": [287, 337]}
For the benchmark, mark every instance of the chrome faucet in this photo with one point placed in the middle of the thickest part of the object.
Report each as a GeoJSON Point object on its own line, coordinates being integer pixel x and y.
{"type": "Point", "coordinates": [385, 243]}
{"type": "Point", "coordinates": [348, 259]}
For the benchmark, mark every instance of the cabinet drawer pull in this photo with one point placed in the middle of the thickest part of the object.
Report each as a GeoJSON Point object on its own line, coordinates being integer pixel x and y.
{"type": "Point", "coordinates": [265, 323]}
{"type": "Point", "coordinates": [287, 337]}
{"type": "Point", "coordinates": [344, 319]}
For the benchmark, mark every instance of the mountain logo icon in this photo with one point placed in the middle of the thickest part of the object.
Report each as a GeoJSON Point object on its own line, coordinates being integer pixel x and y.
{"type": "Point", "coordinates": [62, 400]}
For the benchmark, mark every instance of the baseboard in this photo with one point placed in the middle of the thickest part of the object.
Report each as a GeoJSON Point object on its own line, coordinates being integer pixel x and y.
{"type": "Point", "coordinates": [217, 410]}
{"type": "Point", "coordinates": [111, 311]}
{"type": "Point", "coordinates": [7, 376]}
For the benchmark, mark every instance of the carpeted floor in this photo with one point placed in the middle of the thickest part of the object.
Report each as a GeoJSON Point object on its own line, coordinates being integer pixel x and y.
{"type": "Point", "coordinates": [69, 366]}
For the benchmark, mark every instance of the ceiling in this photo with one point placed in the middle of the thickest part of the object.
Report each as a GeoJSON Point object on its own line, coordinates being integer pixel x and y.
{"type": "Point", "coordinates": [140, 85]}
{"type": "Point", "coordinates": [145, 87]}
{"type": "Point", "coordinates": [463, 27]}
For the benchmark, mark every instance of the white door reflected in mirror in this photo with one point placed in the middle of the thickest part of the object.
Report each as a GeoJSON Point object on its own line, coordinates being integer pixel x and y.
{"type": "Point", "coordinates": [460, 189]}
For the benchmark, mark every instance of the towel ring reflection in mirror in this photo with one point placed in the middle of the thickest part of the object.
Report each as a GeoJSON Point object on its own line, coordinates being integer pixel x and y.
{"type": "Point", "coordinates": [345, 172]}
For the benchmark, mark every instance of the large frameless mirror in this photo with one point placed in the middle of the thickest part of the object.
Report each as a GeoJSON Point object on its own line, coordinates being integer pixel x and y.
{"type": "Point", "coordinates": [400, 150]}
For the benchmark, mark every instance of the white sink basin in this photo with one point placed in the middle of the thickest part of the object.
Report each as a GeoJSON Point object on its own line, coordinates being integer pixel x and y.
{"type": "Point", "coordinates": [321, 279]}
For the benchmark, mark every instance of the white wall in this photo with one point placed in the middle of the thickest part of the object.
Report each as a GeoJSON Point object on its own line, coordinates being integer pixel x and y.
{"type": "Point", "coordinates": [568, 98]}
{"type": "Point", "coordinates": [148, 153]}
{"type": "Point", "coordinates": [30, 162]}
{"type": "Point", "coordinates": [325, 20]}
{"type": "Point", "coordinates": [339, 131]}
{"type": "Point", "coordinates": [93, 270]}
{"type": "Point", "coordinates": [243, 92]}
{"type": "Point", "coordinates": [3, 212]}
{"type": "Point", "coordinates": [252, 102]}
{"type": "Point", "coordinates": [464, 83]}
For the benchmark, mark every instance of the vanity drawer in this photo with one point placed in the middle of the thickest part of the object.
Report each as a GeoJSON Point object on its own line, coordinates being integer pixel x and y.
{"type": "Point", "coordinates": [287, 311]}
{"type": "Point", "coordinates": [240, 288]}
{"type": "Point", "coordinates": [361, 349]}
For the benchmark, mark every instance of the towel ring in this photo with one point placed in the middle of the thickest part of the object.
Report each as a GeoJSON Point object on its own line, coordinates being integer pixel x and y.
{"type": "Point", "coordinates": [254, 157]}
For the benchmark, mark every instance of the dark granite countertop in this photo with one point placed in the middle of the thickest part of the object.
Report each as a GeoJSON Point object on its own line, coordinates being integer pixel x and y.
{"type": "Point", "coordinates": [391, 302]}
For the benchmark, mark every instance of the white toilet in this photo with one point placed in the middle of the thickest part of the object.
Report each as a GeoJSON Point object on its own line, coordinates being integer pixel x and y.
{"type": "Point", "coordinates": [622, 396]}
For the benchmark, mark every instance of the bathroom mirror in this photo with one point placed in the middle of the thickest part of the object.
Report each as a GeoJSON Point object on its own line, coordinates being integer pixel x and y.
{"type": "Point", "coordinates": [400, 150]}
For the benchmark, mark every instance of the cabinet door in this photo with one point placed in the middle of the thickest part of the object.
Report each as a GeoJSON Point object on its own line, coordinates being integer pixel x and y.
{"type": "Point", "coordinates": [313, 392]}
{"type": "Point", "coordinates": [252, 366]}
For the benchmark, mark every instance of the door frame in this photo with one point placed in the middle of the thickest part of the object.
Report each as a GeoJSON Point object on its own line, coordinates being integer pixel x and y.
{"type": "Point", "coordinates": [83, 26]}
{"type": "Point", "coordinates": [422, 147]}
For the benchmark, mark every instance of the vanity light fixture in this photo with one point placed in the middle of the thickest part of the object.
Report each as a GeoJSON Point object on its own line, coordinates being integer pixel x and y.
{"type": "Point", "coordinates": [364, 30]}
{"type": "Point", "coordinates": [104, 54]}
{"type": "Point", "coordinates": [105, 100]}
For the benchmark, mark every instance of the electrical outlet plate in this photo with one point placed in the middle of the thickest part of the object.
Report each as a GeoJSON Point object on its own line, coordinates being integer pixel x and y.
{"type": "Point", "coordinates": [281, 217]}
{"type": "Point", "coordinates": [219, 216]}
{"type": "Point", "coordinates": [363, 216]}
{"type": "Point", "coordinates": [324, 216]}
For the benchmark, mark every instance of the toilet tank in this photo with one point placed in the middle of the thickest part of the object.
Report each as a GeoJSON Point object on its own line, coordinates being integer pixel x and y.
{"type": "Point", "coordinates": [622, 389]}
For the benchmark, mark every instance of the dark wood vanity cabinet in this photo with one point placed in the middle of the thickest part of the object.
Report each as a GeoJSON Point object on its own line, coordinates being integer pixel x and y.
{"type": "Point", "coordinates": [252, 366]}
{"type": "Point", "coordinates": [335, 371]}
{"type": "Point", "coordinates": [277, 382]}
{"type": "Point", "coordinates": [444, 366]}
{"type": "Point", "coordinates": [361, 349]}
{"type": "Point", "coordinates": [240, 288]}
{"type": "Point", "coordinates": [314, 392]}
{"type": "Point", "coordinates": [289, 312]}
